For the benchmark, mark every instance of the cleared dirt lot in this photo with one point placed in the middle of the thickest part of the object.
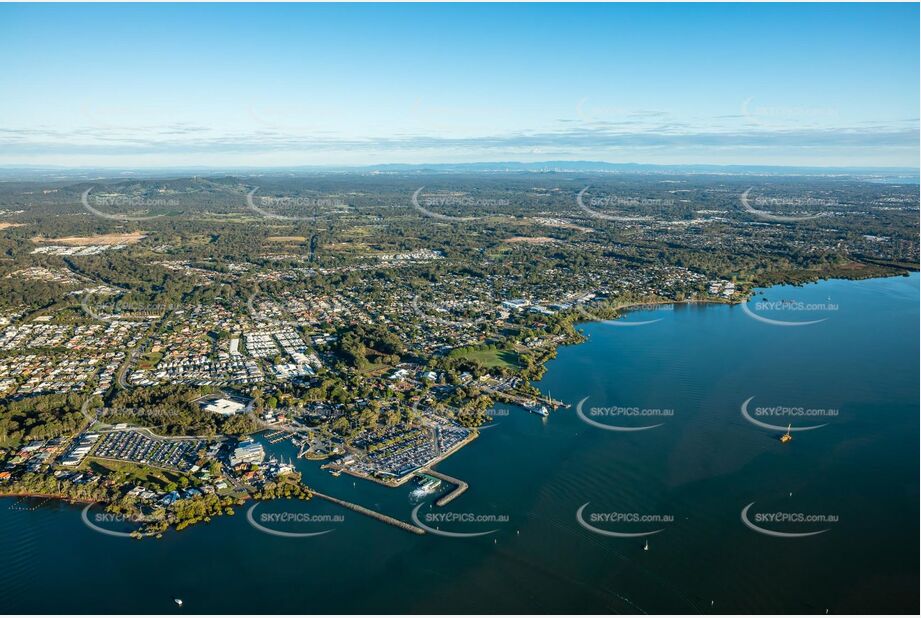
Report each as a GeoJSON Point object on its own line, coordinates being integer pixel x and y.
{"type": "Point", "coordinates": [286, 238]}
{"type": "Point", "coordinates": [98, 239]}
{"type": "Point", "coordinates": [531, 240]}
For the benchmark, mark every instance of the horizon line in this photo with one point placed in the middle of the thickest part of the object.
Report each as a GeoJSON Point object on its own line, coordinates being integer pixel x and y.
{"type": "Point", "coordinates": [549, 162]}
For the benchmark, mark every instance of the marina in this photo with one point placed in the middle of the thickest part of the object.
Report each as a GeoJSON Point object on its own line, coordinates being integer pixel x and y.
{"type": "Point", "coordinates": [539, 474]}
{"type": "Point", "coordinates": [442, 309]}
{"type": "Point", "coordinates": [275, 437]}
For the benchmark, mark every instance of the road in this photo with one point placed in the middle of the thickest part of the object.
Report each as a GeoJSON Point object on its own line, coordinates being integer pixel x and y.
{"type": "Point", "coordinates": [132, 356]}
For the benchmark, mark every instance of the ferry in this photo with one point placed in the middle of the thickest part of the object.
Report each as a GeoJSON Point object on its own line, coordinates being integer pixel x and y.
{"type": "Point", "coordinates": [536, 408]}
{"type": "Point", "coordinates": [428, 484]}
{"type": "Point", "coordinates": [786, 437]}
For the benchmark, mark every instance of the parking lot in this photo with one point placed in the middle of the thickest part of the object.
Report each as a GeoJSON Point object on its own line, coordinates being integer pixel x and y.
{"type": "Point", "coordinates": [136, 447]}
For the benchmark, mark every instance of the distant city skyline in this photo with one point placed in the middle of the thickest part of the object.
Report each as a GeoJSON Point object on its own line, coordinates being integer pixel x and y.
{"type": "Point", "coordinates": [342, 85]}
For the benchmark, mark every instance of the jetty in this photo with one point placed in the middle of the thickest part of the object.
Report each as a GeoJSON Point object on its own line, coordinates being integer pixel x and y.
{"type": "Point", "coordinates": [277, 436]}
{"type": "Point", "coordinates": [369, 513]}
{"type": "Point", "coordinates": [459, 486]}
{"type": "Point", "coordinates": [523, 399]}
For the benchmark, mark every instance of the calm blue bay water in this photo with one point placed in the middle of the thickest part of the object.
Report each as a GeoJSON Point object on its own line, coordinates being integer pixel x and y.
{"type": "Point", "coordinates": [701, 467]}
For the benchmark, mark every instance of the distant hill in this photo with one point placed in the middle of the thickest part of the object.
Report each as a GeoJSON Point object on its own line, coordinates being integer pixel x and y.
{"type": "Point", "coordinates": [18, 173]}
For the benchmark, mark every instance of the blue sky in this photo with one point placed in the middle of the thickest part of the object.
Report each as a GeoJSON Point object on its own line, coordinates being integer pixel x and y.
{"type": "Point", "coordinates": [279, 85]}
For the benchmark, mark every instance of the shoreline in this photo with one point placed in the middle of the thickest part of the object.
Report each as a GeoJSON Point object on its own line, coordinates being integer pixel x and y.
{"type": "Point", "coordinates": [638, 306]}
{"type": "Point", "coordinates": [621, 311]}
{"type": "Point", "coordinates": [60, 497]}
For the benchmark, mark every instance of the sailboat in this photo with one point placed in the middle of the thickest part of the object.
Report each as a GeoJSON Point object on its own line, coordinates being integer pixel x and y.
{"type": "Point", "coordinates": [787, 437]}
{"type": "Point", "coordinates": [646, 546]}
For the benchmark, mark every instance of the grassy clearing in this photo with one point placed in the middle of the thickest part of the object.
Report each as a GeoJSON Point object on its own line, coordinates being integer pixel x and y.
{"type": "Point", "coordinates": [142, 475]}
{"type": "Point", "coordinates": [493, 358]}
{"type": "Point", "coordinates": [375, 369]}
{"type": "Point", "coordinates": [150, 360]}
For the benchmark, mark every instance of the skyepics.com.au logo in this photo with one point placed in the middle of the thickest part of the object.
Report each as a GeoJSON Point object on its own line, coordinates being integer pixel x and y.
{"type": "Point", "coordinates": [622, 418]}
{"type": "Point", "coordinates": [783, 202]}
{"type": "Point", "coordinates": [782, 417]}
{"type": "Point", "coordinates": [112, 524]}
{"type": "Point", "coordinates": [306, 207]}
{"type": "Point", "coordinates": [144, 415]}
{"type": "Point", "coordinates": [596, 313]}
{"type": "Point", "coordinates": [459, 523]}
{"type": "Point", "coordinates": [292, 524]}
{"type": "Point", "coordinates": [110, 308]}
{"type": "Point", "coordinates": [101, 205]}
{"type": "Point", "coordinates": [777, 313]}
{"type": "Point", "coordinates": [267, 309]}
{"type": "Point", "coordinates": [424, 203]}
{"type": "Point", "coordinates": [786, 524]}
{"type": "Point", "coordinates": [446, 412]}
{"type": "Point", "coordinates": [615, 201]}
{"type": "Point", "coordinates": [455, 313]}
{"type": "Point", "coordinates": [498, 412]}
{"type": "Point", "coordinates": [783, 115]}
{"type": "Point", "coordinates": [622, 524]}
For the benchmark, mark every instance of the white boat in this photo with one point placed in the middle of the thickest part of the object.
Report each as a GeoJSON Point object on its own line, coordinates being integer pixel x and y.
{"type": "Point", "coordinates": [178, 602]}
{"type": "Point", "coordinates": [538, 409]}
{"type": "Point", "coordinates": [428, 484]}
